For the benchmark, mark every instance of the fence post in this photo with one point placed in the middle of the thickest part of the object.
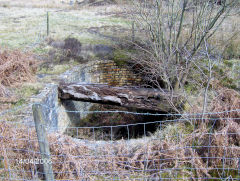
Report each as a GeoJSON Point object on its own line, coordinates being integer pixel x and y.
{"type": "Point", "coordinates": [43, 141]}
{"type": "Point", "coordinates": [239, 168]}
{"type": "Point", "coordinates": [133, 31]}
{"type": "Point", "coordinates": [47, 23]}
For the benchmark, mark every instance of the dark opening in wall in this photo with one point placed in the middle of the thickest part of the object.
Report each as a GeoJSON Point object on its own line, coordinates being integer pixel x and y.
{"type": "Point", "coordinates": [115, 125]}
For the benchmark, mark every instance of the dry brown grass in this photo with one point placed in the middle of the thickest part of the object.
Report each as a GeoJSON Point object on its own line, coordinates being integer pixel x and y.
{"type": "Point", "coordinates": [15, 67]}
{"type": "Point", "coordinates": [70, 158]}
{"type": "Point", "coordinates": [209, 151]}
{"type": "Point", "coordinates": [226, 100]}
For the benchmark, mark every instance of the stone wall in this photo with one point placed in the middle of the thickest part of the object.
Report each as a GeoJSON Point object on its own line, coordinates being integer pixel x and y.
{"type": "Point", "coordinates": [48, 98]}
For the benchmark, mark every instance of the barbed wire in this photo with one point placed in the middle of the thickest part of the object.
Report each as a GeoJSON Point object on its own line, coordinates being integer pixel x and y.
{"type": "Point", "coordinates": [118, 111]}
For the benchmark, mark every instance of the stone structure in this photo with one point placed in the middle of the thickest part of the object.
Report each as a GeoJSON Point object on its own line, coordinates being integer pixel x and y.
{"type": "Point", "coordinates": [48, 98]}
{"type": "Point", "coordinates": [103, 72]}
{"type": "Point", "coordinates": [57, 114]}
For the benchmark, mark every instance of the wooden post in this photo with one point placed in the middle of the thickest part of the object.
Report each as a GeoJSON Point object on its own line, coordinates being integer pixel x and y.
{"type": "Point", "coordinates": [133, 32]}
{"type": "Point", "coordinates": [47, 23]}
{"type": "Point", "coordinates": [43, 141]}
{"type": "Point", "coordinates": [238, 168]}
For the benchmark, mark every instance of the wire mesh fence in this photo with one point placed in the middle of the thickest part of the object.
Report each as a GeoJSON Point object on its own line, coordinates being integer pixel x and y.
{"type": "Point", "coordinates": [188, 147]}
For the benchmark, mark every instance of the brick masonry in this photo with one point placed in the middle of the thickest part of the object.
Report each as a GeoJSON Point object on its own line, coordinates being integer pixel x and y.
{"type": "Point", "coordinates": [109, 72]}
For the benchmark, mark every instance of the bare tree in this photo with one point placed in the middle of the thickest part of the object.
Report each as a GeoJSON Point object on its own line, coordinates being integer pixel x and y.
{"type": "Point", "coordinates": [175, 38]}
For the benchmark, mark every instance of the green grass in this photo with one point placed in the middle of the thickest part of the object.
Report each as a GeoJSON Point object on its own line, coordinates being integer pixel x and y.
{"type": "Point", "coordinates": [120, 57]}
{"type": "Point", "coordinates": [25, 91]}
{"type": "Point", "coordinates": [228, 73]}
{"type": "Point", "coordinates": [21, 27]}
{"type": "Point", "coordinates": [226, 173]}
{"type": "Point", "coordinates": [35, 4]}
{"type": "Point", "coordinates": [57, 69]}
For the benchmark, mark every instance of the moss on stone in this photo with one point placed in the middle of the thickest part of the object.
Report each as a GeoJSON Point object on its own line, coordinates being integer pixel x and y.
{"type": "Point", "coordinates": [120, 57]}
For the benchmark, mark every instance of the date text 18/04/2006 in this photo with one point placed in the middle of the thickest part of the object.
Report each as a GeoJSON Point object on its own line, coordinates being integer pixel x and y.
{"type": "Point", "coordinates": [35, 161]}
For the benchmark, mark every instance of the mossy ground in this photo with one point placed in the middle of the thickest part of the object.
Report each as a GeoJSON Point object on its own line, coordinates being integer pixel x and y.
{"type": "Point", "coordinates": [55, 69]}
{"type": "Point", "coordinates": [25, 91]}
{"type": "Point", "coordinates": [228, 73]}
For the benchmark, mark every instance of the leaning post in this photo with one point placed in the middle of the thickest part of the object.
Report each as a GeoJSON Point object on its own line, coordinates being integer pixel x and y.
{"type": "Point", "coordinates": [133, 31]}
{"type": "Point", "coordinates": [43, 141]}
{"type": "Point", "coordinates": [47, 23]}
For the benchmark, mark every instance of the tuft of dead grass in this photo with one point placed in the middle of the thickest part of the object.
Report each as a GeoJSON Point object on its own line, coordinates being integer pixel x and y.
{"type": "Point", "coordinates": [225, 101]}
{"type": "Point", "coordinates": [15, 67]}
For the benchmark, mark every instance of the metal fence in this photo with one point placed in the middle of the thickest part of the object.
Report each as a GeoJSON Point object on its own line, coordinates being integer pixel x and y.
{"type": "Point", "coordinates": [188, 147]}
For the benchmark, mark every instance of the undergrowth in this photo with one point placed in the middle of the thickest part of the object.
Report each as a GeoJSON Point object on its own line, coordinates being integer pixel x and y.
{"type": "Point", "coordinates": [187, 150]}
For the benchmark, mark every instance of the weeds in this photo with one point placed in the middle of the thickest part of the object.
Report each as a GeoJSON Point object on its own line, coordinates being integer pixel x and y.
{"type": "Point", "coordinates": [15, 67]}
